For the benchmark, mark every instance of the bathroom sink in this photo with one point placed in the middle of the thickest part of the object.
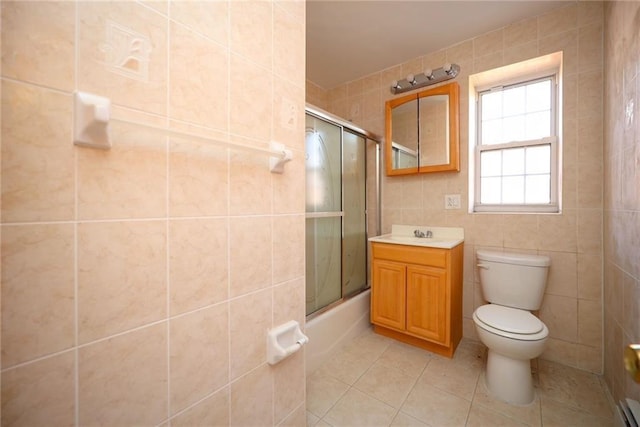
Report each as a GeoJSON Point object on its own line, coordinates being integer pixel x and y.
{"type": "Point", "coordinates": [433, 242]}
{"type": "Point", "coordinates": [438, 237]}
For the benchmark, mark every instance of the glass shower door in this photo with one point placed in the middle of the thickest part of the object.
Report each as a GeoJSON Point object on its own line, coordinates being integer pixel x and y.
{"type": "Point", "coordinates": [324, 213]}
{"type": "Point", "coordinates": [336, 220]}
{"type": "Point", "coordinates": [354, 243]}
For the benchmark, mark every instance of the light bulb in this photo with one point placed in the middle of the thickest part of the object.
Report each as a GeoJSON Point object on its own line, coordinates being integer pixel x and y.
{"type": "Point", "coordinates": [429, 73]}
{"type": "Point", "coordinates": [447, 68]}
{"type": "Point", "coordinates": [411, 79]}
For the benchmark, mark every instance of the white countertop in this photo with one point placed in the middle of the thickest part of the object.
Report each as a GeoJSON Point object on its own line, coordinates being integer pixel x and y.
{"type": "Point", "coordinates": [443, 237]}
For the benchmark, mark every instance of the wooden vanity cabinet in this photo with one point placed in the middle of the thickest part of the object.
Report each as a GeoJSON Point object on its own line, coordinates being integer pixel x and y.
{"type": "Point", "coordinates": [416, 295]}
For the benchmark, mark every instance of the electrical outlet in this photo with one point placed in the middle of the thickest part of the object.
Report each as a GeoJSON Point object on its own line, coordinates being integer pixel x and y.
{"type": "Point", "coordinates": [452, 201]}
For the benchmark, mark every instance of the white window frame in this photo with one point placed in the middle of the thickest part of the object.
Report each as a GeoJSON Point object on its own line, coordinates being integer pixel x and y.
{"type": "Point", "coordinates": [508, 80]}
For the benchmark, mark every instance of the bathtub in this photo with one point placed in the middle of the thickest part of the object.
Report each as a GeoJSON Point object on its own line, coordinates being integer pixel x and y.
{"type": "Point", "coordinates": [333, 329]}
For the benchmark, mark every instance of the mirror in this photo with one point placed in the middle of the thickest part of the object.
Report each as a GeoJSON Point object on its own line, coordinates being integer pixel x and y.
{"type": "Point", "coordinates": [422, 131]}
{"type": "Point", "coordinates": [404, 144]}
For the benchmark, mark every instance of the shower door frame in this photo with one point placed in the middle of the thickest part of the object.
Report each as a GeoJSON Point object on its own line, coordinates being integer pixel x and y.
{"type": "Point", "coordinates": [368, 136]}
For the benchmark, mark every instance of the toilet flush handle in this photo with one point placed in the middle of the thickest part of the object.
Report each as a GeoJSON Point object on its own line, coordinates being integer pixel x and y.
{"type": "Point", "coordinates": [486, 267]}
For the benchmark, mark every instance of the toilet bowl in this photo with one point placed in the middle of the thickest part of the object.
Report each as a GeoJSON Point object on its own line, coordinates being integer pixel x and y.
{"type": "Point", "coordinates": [513, 337]}
{"type": "Point", "coordinates": [513, 284]}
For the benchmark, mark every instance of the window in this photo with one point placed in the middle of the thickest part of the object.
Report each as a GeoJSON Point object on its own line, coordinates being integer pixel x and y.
{"type": "Point", "coordinates": [515, 166]}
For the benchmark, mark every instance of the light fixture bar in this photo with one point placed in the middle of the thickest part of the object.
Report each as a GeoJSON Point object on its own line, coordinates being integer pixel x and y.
{"type": "Point", "coordinates": [427, 78]}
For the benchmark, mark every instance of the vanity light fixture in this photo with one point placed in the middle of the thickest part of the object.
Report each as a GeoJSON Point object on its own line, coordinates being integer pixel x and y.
{"type": "Point", "coordinates": [429, 77]}
{"type": "Point", "coordinates": [428, 73]}
{"type": "Point", "coordinates": [447, 68]}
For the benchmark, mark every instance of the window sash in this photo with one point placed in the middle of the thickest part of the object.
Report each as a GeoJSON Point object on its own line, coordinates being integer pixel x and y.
{"type": "Point", "coordinates": [553, 94]}
{"type": "Point", "coordinates": [552, 206]}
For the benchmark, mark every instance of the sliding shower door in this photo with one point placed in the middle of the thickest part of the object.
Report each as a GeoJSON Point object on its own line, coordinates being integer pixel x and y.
{"type": "Point", "coordinates": [324, 213]}
{"type": "Point", "coordinates": [354, 243]}
{"type": "Point", "coordinates": [336, 224]}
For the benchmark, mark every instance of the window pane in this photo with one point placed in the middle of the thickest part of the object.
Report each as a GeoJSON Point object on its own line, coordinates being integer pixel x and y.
{"type": "Point", "coordinates": [513, 190]}
{"type": "Point", "coordinates": [514, 101]}
{"type": "Point", "coordinates": [538, 125]}
{"type": "Point", "coordinates": [513, 129]}
{"type": "Point", "coordinates": [538, 189]}
{"type": "Point", "coordinates": [491, 105]}
{"type": "Point", "coordinates": [492, 132]}
{"type": "Point", "coordinates": [513, 161]}
{"type": "Point", "coordinates": [539, 159]}
{"type": "Point", "coordinates": [539, 96]}
{"type": "Point", "coordinates": [491, 163]}
{"type": "Point", "coordinates": [490, 190]}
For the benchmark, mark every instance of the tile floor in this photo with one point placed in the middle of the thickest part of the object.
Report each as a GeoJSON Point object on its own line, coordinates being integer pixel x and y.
{"type": "Point", "coordinates": [377, 381]}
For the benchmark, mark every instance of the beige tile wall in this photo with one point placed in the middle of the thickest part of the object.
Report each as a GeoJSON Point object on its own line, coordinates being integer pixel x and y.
{"type": "Point", "coordinates": [138, 283]}
{"type": "Point", "coordinates": [622, 192]}
{"type": "Point", "coordinates": [573, 302]}
{"type": "Point", "coordinates": [316, 95]}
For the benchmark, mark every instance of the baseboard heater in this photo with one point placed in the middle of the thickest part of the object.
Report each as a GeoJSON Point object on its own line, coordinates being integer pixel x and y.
{"type": "Point", "coordinates": [627, 413]}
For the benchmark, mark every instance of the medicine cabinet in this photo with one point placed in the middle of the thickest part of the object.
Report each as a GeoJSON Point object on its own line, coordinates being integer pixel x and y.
{"type": "Point", "coordinates": [422, 131]}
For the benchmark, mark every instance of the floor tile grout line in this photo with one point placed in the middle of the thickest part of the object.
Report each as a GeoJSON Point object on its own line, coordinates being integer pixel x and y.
{"type": "Point", "coordinates": [415, 382]}
{"type": "Point", "coordinates": [333, 406]}
{"type": "Point", "coordinates": [473, 396]}
{"type": "Point", "coordinates": [506, 415]}
{"type": "Point", "coordinates": [424, 368]}
{"type": "Point", "coordinates": [349, 387]}
{"type": "Point", "coordinates": [321, 417]}
{"type": "Point", "coordinates": [352, 386]}
{"type": "Point", "coordinates": [398, 410]}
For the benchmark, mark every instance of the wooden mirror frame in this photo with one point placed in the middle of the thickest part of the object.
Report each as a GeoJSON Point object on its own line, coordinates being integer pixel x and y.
{"type": "Point", "coordinates": [453, 91]}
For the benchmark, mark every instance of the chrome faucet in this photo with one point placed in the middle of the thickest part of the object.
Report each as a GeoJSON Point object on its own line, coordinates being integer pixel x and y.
{"type": "Point", "coordinates": [419, 233]}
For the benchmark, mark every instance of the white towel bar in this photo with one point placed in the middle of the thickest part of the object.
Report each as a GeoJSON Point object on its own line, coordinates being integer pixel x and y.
{"type": "Point", "coordinates": [93, 114]}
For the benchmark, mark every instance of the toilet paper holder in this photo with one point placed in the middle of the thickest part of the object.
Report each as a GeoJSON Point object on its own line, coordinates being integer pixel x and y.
{"type": "Point", "coordinates": [284, 340]}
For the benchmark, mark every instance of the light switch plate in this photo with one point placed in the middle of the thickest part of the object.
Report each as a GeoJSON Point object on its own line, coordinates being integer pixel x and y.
{"type": "Point", "coordinates": [452, 201]}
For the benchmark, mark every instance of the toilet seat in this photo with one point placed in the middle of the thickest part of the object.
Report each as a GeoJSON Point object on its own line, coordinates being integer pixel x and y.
{"type": "Point", "coordinates": [510, 322]}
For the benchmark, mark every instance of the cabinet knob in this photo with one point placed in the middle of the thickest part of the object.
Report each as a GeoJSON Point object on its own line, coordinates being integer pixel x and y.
{"type": "Point", "coordinates": [632, 361]}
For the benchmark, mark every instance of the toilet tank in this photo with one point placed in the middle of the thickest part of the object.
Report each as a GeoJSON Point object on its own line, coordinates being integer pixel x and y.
{"type": "Point", "coordinates": [513, 280]}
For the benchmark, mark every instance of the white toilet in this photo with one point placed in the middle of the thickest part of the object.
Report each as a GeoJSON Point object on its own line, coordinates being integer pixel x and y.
{"type": "Point", "coordinates": [514, 284]}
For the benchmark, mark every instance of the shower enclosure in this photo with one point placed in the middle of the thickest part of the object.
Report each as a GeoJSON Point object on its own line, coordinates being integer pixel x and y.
{"type": "Point", "coordinates": [342, 192]}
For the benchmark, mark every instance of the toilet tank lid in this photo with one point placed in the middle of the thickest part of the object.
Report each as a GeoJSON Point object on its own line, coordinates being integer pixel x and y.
{"type": "Point", "coordinates": [514, 258]}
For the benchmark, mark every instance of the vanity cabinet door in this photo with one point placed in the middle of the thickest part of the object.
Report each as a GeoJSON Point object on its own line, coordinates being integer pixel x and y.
{"type": "Point", "coordinates": [427, 303]}
{"type": "Point", "coordinates": [388, 294]}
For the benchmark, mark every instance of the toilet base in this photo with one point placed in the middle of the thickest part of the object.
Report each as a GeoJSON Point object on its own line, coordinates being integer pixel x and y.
{"type": "Point", "coordinates": [509, 379]}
